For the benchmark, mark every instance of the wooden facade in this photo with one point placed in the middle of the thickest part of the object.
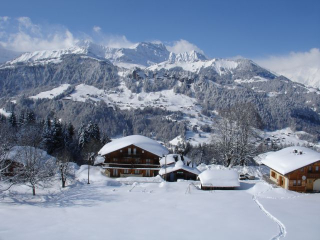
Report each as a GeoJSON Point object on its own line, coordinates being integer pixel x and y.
{"type": "Point", "coordinates": [179, 174]}
{"type": "Point", "coordinates": [131, 161]}
{"type": "Point", "coordinates": [216, 188]}
{"type": "Point", "coordinates": [305, 179]}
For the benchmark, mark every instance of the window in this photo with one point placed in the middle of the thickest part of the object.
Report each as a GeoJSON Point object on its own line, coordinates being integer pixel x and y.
{"type": "Point", "coordinates": [136, 171]}
{"type": "Point", "coordinates": [126, 171]}
{"type": "Point", "coordinates": [137, 160]}
{"type": "Point", "coordinates": [301, 169]}
{"type": "Point", "coordinates": [129, 151]}
{"type": "Point", "coordinates": [310, 169]}
{"type": "Point", "coordinates": [148, 173]}
{"type": "Point", "coordinates": [317, 168]}
{"type": "Point", "coordinates": [299, 182]}
{"type": "Point", "coordinates": [115, 172]}
{"type": "Point", "coordinates": [273, 174]}
{"type": "Point", "coordinates": [134, 151]}
{"type": "Point", "coordinates": [294, 182]}
{"type": "Point", "coordinates": [115, 160]}
{"type": "Point", "coordinates": [121, 150]}
{"type": "Point", "coordinates": [148, 161]}
{"type": "Point", "coordinates": [142, 151]}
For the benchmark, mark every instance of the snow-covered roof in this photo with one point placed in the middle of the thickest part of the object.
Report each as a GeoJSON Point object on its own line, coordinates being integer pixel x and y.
{"type": "Point", "coordinates": [219, 178]}
{"type": "Point", "coordinates": [179, 165]}
{"type": "Point", "coordinates": [98, 160]}
{"type": "Point", "coordinates": [21, 153]}
{"type": "Point", "coordinates": [289, 159]}
{"type": "Point", "coordinates": [171, 158]}
{"type": "Point", "coordinates": [142, 142]}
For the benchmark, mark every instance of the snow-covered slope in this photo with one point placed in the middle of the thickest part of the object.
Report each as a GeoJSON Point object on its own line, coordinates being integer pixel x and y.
{"type": "Point", "coordinates": [194, 62]}
{"type": "Point", "coordinates": [140, 55]}
{"type": "Point", "coordinates": [7, 55]}
{"type": "Point", "coordinates": [52, 93]}
{"type": "Point", "coordinates": [143, 54]}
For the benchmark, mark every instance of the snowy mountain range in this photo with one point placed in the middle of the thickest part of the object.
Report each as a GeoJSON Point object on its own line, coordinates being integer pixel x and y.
{"type": "Point", "coordinates": [7, 55]}
{"type": "Point", "coordinates": [148, 75]}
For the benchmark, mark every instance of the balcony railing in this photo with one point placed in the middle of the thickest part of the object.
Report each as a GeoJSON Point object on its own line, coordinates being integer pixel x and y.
{"type": "Point", "coordinates": [128, 165]}
{"type": "Point", "coordinates": [313, 175]}
{"type": "Point", "coordinates": [130, 175]}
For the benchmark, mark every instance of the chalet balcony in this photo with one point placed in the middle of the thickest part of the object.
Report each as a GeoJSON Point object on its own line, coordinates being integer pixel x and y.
{"type": "Point", "coordinates": [124, 155]}
{"type": "Point", "coordinates": [129, 165]}
{"type": "Point", "coordinates": [130, 175]}
{"type": "Point", "coordinates": [313, 175]}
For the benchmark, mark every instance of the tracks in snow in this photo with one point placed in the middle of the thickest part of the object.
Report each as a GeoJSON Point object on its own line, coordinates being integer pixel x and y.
{"type": "Point", "coordinates": [282, 228]}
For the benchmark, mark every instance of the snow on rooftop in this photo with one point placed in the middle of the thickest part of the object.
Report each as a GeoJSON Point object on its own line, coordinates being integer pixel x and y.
{"type": "Point", "coordinates": [21, 153]}
{"type": "Point", "coordinates": [172, 158]}
{"type": "Point", "coordinates": [178, 166]}
{"type": "Point", "coordinates": [98, 160]}
{"type": "Point", "coordinates": [219, 178]}
{"type": "Point", "coordinates": [289, 159]}
{"type": "Point", "coordinates": [143, 142]}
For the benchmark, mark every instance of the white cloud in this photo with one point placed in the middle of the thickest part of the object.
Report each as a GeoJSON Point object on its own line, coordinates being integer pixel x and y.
{"type": "Point", "coordinates": [182, 46]}
{"type": "Point", "coordinates": [22, 35]}
{"type": "Point", "coordinates": [303, 67]}
{"type": "Point", "coordinates": [117, 41]}
{"type": "Point", "coordinates": [97, 29]}
{"type": "Point", "coordinates": [3, 21]}
{"type": "Point", "coordinates": [25, 23]}
{"type": "Point", "coordinates": [4, 18]}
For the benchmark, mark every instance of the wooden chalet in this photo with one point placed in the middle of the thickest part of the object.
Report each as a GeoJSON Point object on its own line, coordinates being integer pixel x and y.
{"type": "Point", "coordinates": [295, 168]}
{"type": "Point", "coordinates": [132, 156]}
{"type": "Point", "coordinates": [175, 166]}
{"type": "Point", "coordinates": [219, 179]}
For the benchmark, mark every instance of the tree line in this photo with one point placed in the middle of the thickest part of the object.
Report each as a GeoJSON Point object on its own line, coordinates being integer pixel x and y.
{"type": "Point", "coordinates": [27, 140]}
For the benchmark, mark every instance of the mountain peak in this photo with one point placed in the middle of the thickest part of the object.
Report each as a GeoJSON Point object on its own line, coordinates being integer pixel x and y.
{"type": "Point", "coordinates": [192, 56]}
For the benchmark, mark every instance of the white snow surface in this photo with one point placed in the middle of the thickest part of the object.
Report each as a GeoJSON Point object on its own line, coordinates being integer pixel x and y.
{"type": "Point", "coordinates": [4, 112]}
{"type": "Point", "coordinates": [98, 160]}
{"type": "Point", "coordinates": [219, 178]}
{"type": "Point", "coordinates": [170, 158]}
{"type": "Point", "coordinates": [286, 160]}
{"type": "Point", "coordinates": [52, 93]}
{"type": "Point", "coordinates": [193, 64]}
{"type": "Point", "coordinates": [139, 210]}
{"type": "Point", "coordinates": [142, 142]}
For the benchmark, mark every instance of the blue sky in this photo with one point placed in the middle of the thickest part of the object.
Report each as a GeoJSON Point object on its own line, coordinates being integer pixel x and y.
{"type": "Point", "coordinates": [253, 29]}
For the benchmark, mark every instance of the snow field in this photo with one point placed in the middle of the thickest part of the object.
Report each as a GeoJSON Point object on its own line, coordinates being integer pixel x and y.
{"type": "Point", "coordinates": [110, 209]}
{"type": "Point", "coordinates": [52, 93]}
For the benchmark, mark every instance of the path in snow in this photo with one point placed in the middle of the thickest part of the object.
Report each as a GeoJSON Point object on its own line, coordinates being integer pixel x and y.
{"type": "Point", "coordinates": [282, 229]}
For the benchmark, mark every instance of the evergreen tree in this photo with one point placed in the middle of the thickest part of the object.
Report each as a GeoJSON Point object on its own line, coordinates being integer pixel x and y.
{"type": "Point", "coordinates": [21, 118]}
{"type": "Point", "coordinates": [30, 117]}
{"type": "Point", "coordinates": [13, 120]}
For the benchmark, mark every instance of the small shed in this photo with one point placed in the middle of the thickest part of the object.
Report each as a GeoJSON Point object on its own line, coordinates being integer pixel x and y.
{"type": "Point", "coordinates": [178, 170]}
{"type": "Point", "coordinates": [213, 179]}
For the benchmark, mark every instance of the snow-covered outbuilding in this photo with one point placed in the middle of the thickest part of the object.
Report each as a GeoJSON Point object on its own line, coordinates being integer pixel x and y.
{"type": "Point", "coordinates": [295, 168]}
{"type": "Point", "coordinates": [175, 166]}
{"type": "Point", "coordinates": [219, 179]}
{"type": "Point", "coordinates": [133, 155]}
{"type": "Point", "coordinates": [18, 156]}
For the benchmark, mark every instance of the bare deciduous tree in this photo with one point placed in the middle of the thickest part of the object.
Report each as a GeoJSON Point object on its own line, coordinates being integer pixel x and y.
{"type": "Point", "coordinates": [37, 167]}
{"type": "Point", "coordinates": [63, 164]}
{"type": "Point", "coordinates": [236, 133]}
